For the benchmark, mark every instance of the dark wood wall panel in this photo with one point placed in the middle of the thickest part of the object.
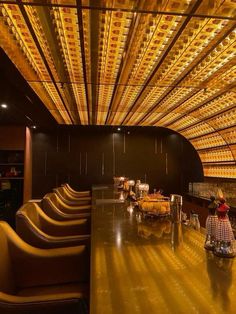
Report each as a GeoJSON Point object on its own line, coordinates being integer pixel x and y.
{"type": "Point", "coordinates": [84, 156]}
{"type": "Point", "coordinates": [12, 137]}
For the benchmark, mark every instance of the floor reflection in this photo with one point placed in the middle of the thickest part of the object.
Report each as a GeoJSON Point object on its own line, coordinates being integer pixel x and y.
{"type": "Point", "coordinates": [220, 275]}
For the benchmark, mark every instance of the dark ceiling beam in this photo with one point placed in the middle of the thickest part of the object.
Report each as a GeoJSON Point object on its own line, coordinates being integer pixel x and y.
{"type": "Point", "coordinates": [136, 10]}
{"type": "Point", "coordinates": [182, 78]}
{"type": "Point", "coordinates": [27, 21]}
{"type": "Point", "coordinates": [81, 39]}
{"type": "Point", "coordinates": [195, 7]}
{"type": "Point", "coordinates": [57, 56]}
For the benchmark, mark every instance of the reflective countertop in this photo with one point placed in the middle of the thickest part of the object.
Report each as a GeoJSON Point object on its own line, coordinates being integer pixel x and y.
{"type": "Point", "coordinates": [147, 265]}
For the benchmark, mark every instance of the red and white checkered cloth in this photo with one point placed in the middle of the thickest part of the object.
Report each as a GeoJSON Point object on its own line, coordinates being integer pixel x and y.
{"type": "Point", "coordinates": [224, 230]}
{"type": "Point", "coordinates": [211, 225]}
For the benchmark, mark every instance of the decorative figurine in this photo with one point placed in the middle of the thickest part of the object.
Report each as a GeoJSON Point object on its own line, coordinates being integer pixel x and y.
{"type": "Point", "coordinates": [224, 234]}
{"type": "Point", "coordinates": [211, 222]}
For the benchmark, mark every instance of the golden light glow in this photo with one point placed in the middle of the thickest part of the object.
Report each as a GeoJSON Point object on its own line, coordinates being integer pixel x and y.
{"type": "Point", "coordinates": [160, 63]}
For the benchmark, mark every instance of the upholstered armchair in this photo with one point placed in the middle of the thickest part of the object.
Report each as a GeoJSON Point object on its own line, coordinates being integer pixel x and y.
{"type": "Point", "coordinates": [72, 201]}
{"type": "Point", "coordinates": [74, 193]}
{"type": "Point", "coordinates": [39, 230]}
{"type": "Point", "coordinates": [49, 205]}
{"type": "Point", "coordinates": [69, 209]}
{"type": "Point", "coordinates": [33, 281]}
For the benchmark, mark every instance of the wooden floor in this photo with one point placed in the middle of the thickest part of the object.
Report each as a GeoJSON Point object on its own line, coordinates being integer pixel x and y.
{"type": "Point", "coordinates": [153, 266]}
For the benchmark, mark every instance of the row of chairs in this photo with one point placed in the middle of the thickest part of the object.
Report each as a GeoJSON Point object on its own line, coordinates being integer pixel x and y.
{"type": "Point", "coordinates": [44, 265]}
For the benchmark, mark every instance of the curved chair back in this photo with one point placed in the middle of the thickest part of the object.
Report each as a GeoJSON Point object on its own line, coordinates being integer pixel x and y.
{"type": "Point", "coordinates": [31, 224]}
{"type": "Point", "coordinates": [51, 207]}
{"type": "Point", "coordinates": [70, 200]}
{"type": "Point", "coordinates": [53, 200]}
{"type": "Point", "coordinates": [34, 280]}
{"type": "Point", "coordinates": [74, 193]}
{"type": "Point", "coordinates": [6, 276]}
{"type": "Point", "coordinates": [56, 201]}
{"type": "Point", "coordinates": [39, 230]}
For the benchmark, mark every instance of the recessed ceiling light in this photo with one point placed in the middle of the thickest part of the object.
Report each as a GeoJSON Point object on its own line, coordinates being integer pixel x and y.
{"type": "Point", "coordinates": [4, 106]}
{"type": "Point", "coordinates": [33, 127]}
{"type": "Point", "coordinates": [118, 129]}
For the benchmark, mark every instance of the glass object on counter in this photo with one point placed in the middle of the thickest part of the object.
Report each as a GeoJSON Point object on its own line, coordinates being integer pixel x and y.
{"type": "Point", "coordinates": [143, 189]}
{"type": "Point", "coordinates": [176, 202]}
{"type": "Point", "coordinates": [131, 183]}
{"type": "Point", "coordinates": [176, 235]}
{"type": "Point", "coordinates": [194, 221]}
{"type": "Point", "coordinates": [137, 187]}
{"type": "Point", "coordinates": [119, 182]}
{"type": "Point", "coordinates": [116, 181]}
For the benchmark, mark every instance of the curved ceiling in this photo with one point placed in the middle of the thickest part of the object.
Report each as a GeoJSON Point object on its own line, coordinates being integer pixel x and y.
{"type": "Point", "coordinates": [168, 63]}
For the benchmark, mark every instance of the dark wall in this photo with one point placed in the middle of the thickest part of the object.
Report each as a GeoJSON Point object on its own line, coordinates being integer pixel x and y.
{"type": "Point", "coordinates": [84, 156]}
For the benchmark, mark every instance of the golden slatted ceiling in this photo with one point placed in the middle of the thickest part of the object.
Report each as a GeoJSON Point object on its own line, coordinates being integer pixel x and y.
{"type": "Point", "coordinates": [168, 63]}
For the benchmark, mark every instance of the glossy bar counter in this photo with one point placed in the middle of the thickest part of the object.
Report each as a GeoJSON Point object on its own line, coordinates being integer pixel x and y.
{"type": "Point", "coordinates": [153, 266]}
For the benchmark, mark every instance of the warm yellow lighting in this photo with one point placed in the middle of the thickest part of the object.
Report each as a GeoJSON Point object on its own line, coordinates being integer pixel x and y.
{"type": "Point", "coordinates": [159, 63]}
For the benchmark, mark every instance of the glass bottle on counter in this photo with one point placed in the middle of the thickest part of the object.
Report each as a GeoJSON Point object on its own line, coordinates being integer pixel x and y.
{"type": "Point", "coordinates": [138, 182]}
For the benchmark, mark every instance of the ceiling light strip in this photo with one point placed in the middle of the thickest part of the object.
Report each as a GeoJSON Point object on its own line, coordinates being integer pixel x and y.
{"type": "Point", "coordinates": [212, 117]}
{"type": "Point", "coordinates": [24, 14]}
{"type": "Point", "coordinates": [124, 56]}
{"type": "Point", "coordinates": [23, 54]}
{"type": "Point", "coordinates": [114, 30]}
{"type": "Point", "coordinates": [187, 74]}
{"type": "Point", "coordinates": [66, 27]}
{"type": "Point", "coordinates": [81, 37]}
{"type": "Point", "coordinates": [210, 99]}
{"type": "Point", "coordinates": [41, 22]}
{"type": "Point", "coordinates": [143, 56]}
{"type": "Point", "coordinates": [185, 22]}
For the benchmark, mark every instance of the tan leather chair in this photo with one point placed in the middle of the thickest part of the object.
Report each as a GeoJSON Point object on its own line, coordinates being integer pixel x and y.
{"type": "Point", "coordinates": [74, 193]}
{"type": "Point", "coordinates": [39, 230]}
{"type": "Point", "coordinates": [72, 201]}
{"type": "Point", "coordinates": [69, 209]}
{"type": "Point", "coordinates": [50, 205]}
{"type": "Point", "coordinates": [33, 281]}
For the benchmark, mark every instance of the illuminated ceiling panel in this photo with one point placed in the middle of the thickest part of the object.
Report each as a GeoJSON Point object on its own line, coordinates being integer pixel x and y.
{"type": "Point", "coordinates": [208, 141]}
{"type": "Point", "coordinates": [198, 130]}
{"type": "Point", "coordinates": [126, 62]}
{"type": "Point", "coordinates": [216, 155]}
